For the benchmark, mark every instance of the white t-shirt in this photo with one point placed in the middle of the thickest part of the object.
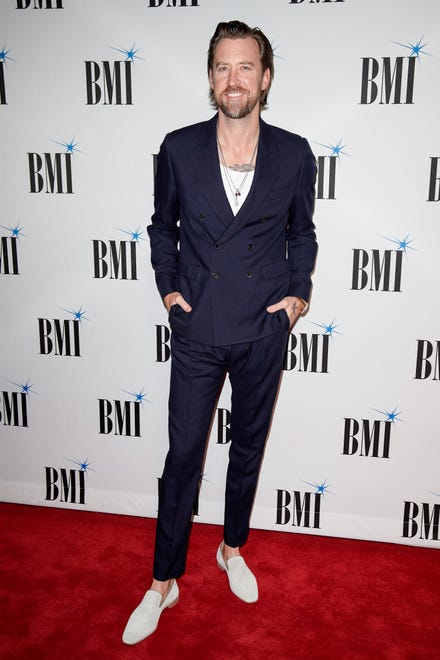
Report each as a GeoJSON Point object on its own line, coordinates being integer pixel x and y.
{"type": "Point", "coordinates": [236, 202]}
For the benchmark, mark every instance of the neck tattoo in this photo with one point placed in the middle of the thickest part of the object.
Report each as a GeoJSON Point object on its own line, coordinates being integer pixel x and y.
{"type": "Point", "coordinates": [245, 168]}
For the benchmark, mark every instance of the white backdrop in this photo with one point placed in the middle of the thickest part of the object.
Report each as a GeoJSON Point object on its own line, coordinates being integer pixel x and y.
{"type": "Point", "coordinates": [354, 447]}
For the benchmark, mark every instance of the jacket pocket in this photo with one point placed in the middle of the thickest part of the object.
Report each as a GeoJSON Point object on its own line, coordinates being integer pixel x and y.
{"type": "Point", "coordinates": [191, 271]}
{"type": "Point", "coordinates": [275, 270]}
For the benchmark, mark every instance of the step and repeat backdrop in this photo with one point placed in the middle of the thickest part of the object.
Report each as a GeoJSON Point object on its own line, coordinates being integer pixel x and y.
{"type": "Point", "coordinates": [88, 90]}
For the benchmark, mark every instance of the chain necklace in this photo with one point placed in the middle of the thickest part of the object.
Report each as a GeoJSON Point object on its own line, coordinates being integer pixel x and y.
{"type": "Point", "coordinates": [246, 168]}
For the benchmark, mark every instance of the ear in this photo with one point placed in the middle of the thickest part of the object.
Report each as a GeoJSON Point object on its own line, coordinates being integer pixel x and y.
{"type": "Point", "coordinates": [266, 79]}
{"type": "Point", "coordinates": [210, 78]}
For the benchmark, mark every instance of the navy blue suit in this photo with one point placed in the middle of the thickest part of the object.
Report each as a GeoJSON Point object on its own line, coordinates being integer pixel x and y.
{"type": "Point", "coordinates": [229, 269]}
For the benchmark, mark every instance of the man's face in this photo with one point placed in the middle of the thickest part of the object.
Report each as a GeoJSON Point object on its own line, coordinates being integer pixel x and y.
{"type": "Point", "coordinates": [237, 78]}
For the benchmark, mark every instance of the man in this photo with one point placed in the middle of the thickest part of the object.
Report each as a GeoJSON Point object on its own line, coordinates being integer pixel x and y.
{"type": "Point", "coordinates": [233, 247]}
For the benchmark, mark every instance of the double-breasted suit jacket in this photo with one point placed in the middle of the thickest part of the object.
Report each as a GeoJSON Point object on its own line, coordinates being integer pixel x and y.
{"type": "Point", "coordinates": [230, 269]}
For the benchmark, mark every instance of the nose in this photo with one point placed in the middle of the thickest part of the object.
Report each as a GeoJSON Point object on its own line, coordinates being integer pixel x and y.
{"type": "Point", "coordinates": [233, 78]}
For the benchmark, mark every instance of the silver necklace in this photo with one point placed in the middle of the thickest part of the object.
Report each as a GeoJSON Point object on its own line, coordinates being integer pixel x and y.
{"type": "Point", "coordinates": [246, 168]}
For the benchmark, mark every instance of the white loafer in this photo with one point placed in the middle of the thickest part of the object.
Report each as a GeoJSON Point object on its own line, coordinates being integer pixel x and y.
{"type": "Point", "coordinates": [241, 579]}
{"type": "Point", "coordinates": [144, 619]}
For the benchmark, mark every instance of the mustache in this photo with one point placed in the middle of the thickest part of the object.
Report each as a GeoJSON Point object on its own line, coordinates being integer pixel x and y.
{"type": "Point", "coordinates": [235, 90]}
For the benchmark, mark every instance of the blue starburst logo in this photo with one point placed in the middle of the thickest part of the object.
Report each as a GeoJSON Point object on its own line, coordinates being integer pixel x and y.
{"type": "Point", "coordinates": [402, 244]}
{"type": "Point", "coordinates": [275, 48]}
{"type": "Point", "coordinates": [70, 147]}
{"type": "Point", "coordinates": [390, 415]}
{"type": "Point", "coordinates": [130, 53]}
{"type": "Point", "coordinates": [135, 235]}
{"type": "Point", "coordinates": [25, 388]}
{"type": "Point", "coordinates": [16, 232]}
{"type": "Point", "coordinates": [139, 397]}
{"type": "Point", "coordinates": [328, 328]}
{"type": "Point", "coordinates": [321, 488]}
{"type": "Point", "coordinates": [335, 149]}
{"type": "Point", "coordinates": [4, 54]}
{"type": "Point", "coordinates": [415, 49]}
{"type": "Point", "coordinates": [78, 315]}
{"type": "Point", "coordinates": [84, 466]}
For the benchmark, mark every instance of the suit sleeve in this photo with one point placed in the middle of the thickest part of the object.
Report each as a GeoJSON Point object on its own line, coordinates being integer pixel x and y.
{"type": "Point", "coordinates": [301, 239]}
{"type": "Point", "coordinates": [164, 228]}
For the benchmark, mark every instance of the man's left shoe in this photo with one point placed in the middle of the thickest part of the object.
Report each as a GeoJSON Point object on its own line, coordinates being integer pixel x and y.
{"type": "Point", "coordinates": [241, 579]}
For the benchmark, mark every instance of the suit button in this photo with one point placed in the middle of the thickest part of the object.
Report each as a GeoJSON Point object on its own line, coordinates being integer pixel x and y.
{"type": "Point", "coordinates": [250, 247]}
{"type": "Point", "coordinates": [215, 276]}
{"type": "Point", "coordinates": [202, 216]}
{"type": "Point", "coordinates": [263, 219]}
{"type": "Point", "coordinates": [218, 246]}
{"type": "Point", "coordinates": [248, 275]}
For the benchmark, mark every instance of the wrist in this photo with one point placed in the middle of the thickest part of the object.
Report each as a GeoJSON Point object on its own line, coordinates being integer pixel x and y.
{"type": "Point", "coordinates": [305, 305]}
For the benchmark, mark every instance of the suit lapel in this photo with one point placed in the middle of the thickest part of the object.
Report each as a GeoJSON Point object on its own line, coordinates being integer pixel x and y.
{"type": "Point", "coordinates": [209, 175]}
{"type": "Point", "coordinates": [208, 172]}
{"type": "Point", "coordinates": [266, 172]}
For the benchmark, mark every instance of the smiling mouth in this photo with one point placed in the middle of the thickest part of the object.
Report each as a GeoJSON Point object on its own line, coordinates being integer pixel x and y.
{"type": "Point", "coordinates": [235, 94]}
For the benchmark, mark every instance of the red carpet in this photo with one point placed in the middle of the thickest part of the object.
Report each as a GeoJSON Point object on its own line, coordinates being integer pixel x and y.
{"type": "Point", "coordinates": [69, 580]}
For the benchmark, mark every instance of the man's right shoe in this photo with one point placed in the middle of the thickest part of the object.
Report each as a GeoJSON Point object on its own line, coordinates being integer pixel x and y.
{"type": "Point", "coordinates": [145, 618]}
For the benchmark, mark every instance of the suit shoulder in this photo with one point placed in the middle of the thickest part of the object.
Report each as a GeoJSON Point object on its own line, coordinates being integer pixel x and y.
{"type": "Point", "coordinates": [292, 145]}
{"type": "Point", "coordinates": [287, 139]}
{"type": "Point", "coordinates": [189, 133]}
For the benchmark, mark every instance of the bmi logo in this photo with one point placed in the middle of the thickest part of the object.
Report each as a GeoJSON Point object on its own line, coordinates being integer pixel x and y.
{"type": "Point", "coordinates": [434, 180]}
{"type": "Point", "coordinates": [303, 352]}
{"type": "Point", "coordinates": [326, 178]}
{"type": "Point", "coordinates": [163, 350]}
{"type": "Point", "coordinates": [110, 82]}
{"type": "Point", "coordinates": [121, 417]}
{"type": "Point", "coordinates": [369, 437]}
{"type": "Point", "coordinates": [301, 508]}
{"type": "Point", "coordinates": [9, 264]}
{"type": "Point", "coordinates": [14, 406]}
{"type": "Point", "coordinates": [427, 360]}
{"type": "Point", "coordinates": [116, 260]}
{"type": "Point", "coordinates": [52, 172]}
{"type": "Point", "coordinates": [391, 79]}
{"type": "Point", "coordinates": [310, 352]}
{"type": "Point", "coordinates": [421, 519]}
{"type": "Point", "coordinates": [61, 336]}
{"type": "Point", "coordinates": [67, 485]}
{"type": "Point", "coordinates": [3, 59]}
{"type": "Point", "coordinates": [315, 2]}
{"type": "Point", "coordinates": [380, 269]}
{"type": "Point", "coordinates": [223, 426]}
{"type": "Point", "coordinates": [173, 3]}
{"type": "Point", "coordinates": [40, 4]}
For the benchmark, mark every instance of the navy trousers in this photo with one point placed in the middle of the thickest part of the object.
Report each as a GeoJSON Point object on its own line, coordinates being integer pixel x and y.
{"type": "Point", "coordinates": [197, 375]}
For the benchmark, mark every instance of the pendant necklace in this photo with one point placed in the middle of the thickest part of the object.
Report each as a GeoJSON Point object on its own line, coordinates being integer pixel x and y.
{"type": "Point", "coordinates": [246, 168]}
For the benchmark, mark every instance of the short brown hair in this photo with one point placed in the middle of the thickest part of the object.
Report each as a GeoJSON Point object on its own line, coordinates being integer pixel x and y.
{"type": "Point", "coordinates": [239, 30]}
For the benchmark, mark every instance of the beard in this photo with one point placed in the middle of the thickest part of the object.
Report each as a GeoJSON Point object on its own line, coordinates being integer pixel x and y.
{"type": "Point", "coordinates": [232, 109]}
